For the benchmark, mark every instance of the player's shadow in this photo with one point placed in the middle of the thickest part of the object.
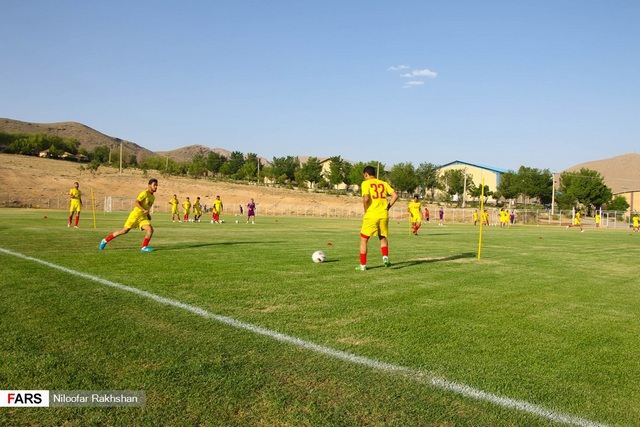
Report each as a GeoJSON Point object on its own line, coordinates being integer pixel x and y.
{"type": "Point", "coordinates": [177, 247]}
{"type": "Point", "coordinates": [419, 261]}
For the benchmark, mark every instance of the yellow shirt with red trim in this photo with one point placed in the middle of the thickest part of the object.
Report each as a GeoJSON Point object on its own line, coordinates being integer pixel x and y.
{"type": "Point", "coordinates": [378, 192]}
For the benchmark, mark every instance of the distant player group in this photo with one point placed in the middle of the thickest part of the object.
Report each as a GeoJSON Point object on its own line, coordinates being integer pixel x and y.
{"type": "Point", "coordinates": [378, 197]}
{"type": "Point", "coordinates": [140, 216]}
{"type": "Point", "coordinates": [216, 210]}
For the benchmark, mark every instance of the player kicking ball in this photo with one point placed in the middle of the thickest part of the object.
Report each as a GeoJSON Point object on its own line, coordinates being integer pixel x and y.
{"type": "Point", "coordinates": [139, 217]}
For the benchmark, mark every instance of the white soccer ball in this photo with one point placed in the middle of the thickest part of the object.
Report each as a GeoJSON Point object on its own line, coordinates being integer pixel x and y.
{"type": "Point", "coordinates": [318, 256]}
{"type": "Point", "coordinates": [237, 221]}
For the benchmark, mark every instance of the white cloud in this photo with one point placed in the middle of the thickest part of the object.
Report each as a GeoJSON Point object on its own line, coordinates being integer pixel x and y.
{"type": "Point", "coordinates": [421, 73]}
{"type": "Point", "coordinates": [397, 67]}
{"type": "Point", "coordinates": [412, 84]}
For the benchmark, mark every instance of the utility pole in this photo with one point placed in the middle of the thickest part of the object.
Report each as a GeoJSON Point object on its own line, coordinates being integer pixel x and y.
{"type": "Point", "coordinates": [464, 191]}
{"type": "Point", "coordinates": [553, 192]}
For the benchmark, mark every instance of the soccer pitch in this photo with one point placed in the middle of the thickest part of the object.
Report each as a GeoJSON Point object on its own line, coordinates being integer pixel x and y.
{"type": "Point", "coordinates": [233, 324]}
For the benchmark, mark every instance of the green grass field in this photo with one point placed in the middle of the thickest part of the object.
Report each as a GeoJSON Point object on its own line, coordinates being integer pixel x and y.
{"type": "Point", "coordinates": [543, 330]}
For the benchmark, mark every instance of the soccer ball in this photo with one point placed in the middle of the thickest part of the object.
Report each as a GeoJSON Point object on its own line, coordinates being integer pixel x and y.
{"type": "Point", "coordinates": [237, 221]}
{"type": "Point", "coordinates": [318, 256]}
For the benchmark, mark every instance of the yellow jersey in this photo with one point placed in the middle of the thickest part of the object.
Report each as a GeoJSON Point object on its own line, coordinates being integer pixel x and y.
{"type": "Point", "coordinates": [378, 192]}
{"type": "Point", "coordinates": [75, 194]}
{"type": "Point", "coordinates": [146, 199]}
{"type": "Point", "coordinates": [414, 210]}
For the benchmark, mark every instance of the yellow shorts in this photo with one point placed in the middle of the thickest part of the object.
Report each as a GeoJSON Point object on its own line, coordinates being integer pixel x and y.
{"type": "Point", "coordinates": [174, 210]}
{"type": "Point", "coordinates": [137, 219]}
{"type": "Point", "coordinates": [197, 212]}
{"type": "Point", "coordinates": [75, 206]}
{"type": "Point", "coordinates": [415, 218]}
{"type": "Point", "coordinates": [375, 227]}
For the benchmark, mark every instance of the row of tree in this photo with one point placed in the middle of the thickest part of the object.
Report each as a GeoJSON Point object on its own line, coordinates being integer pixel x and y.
{"type": "Point", "coordinates": [584, 188]}
{"type": "Point", "coordinates": [579, 189]}
{"type": "Point", "coordinates": [33, 143]}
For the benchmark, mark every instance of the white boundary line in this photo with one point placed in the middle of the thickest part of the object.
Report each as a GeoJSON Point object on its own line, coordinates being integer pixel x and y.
{"type": "Point", "coordinates": [414, 374]}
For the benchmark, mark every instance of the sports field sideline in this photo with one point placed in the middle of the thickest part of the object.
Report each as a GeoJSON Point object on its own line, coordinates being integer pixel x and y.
{"type": "Point", "coordinates": [233, 324]}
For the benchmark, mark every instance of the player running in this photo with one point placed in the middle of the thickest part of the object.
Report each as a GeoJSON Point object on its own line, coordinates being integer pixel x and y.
{"type": "Point", "coordinates": [139, 217]}
{"type": "Point", "coordinates": [415, 209]}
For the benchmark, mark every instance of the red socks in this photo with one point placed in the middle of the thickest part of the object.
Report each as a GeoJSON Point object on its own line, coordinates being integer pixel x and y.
{"type": "Point", "coordinates": [363, 259]}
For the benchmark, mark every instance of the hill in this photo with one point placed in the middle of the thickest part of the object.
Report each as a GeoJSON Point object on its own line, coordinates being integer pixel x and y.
{"type": "Point", "coordinates": [186, 154]}
{"type": "Point", "coordinates": [89, 138]}
{"type": "Point", "coordinates": [621, 173]}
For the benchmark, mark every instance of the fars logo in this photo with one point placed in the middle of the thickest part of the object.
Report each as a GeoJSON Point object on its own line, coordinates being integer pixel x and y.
{"type": "Point", "coordinates": [24, 398]}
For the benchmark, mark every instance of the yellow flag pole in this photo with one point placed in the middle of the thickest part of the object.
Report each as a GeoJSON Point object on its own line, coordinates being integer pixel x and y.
{"type": "Point", "coordinates": [93, 208]}
{"type": "Point", "coordinates": [481, 216]}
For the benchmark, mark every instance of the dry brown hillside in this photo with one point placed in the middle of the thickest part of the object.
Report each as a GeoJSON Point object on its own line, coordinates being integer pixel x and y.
{"type": "Point", "coordinates": [621, 173]}
{"type": "Point", "coordinates": [88, 137]}
{"type": "Point", "coordinates": [27, 180]}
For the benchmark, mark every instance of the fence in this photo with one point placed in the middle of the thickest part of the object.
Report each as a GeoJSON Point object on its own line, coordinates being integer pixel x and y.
{"type": "Point", "coordinates": [610, 219]}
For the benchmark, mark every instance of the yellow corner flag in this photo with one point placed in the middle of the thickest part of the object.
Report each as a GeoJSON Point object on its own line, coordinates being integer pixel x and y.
{"type": "Point", "coordinates": [481, 216]}
{"type": "Point", "coordinates": [93, 208]}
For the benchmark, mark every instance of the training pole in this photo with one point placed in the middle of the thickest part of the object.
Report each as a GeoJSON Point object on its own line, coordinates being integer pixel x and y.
{"type": "Point", "coordinates": [481, 221]}
{"type": "Point", "coordinates": [93, 208]}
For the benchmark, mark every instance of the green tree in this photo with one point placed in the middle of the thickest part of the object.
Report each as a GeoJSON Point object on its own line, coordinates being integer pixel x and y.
{"type": "Point", "coordinates": [311, 171]}
{"type": "Point", "coordinates": [355, 174]}
{"type": "Point", "coordinates": [215, 162]}
{"type": "Point", "coordinates": [236, 161]}
{"type": "Point", "coordinates": [346, 173]}
{"type": "Point", "coordinates": [336, 174]}
{"type": "Point", "coordinates": [100, 153]}
{"type": "Point", "coordinates": [403, 177]}
{"type": "Point", "coordinates": [153, 163]}
{"type": "Point", "coordinates": [535, 183]}
{"type": "Point", "coordinates": [453, 182]}
{"type": "Point", "coordinates": [283, 169]}
{"type": "Point", "coordinates": [584, 187]}
{"type": "Point", "coordinates": [427, 174]}
{"type": "Point", "coordinates": [250, 168]}
{"type": "Point", "coordinates": [619, 203]}
{"type": "Point", "coordinates": [509, 187]}
{"type": "Point", "coordinates": [198, 166]}
{"type": "Point", "coordinates": [475, 191]}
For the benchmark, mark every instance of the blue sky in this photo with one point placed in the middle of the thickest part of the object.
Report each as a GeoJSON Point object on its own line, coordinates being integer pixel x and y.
{"type": "Point", "coordinates": [545, 84]}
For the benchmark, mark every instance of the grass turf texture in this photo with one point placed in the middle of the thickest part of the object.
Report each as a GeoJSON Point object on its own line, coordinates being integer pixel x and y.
{"type": "Point", "coordinates": [547, 316]}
